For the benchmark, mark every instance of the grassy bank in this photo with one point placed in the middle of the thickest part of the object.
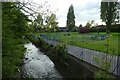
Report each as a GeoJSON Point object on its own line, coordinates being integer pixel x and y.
{"type": "Point", "coordinates": [84, 40]}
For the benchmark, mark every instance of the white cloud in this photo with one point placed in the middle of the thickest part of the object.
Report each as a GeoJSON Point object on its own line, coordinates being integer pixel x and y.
{"type": "Point", "coordinates": [84, 10]}
{"type": "Point", "coordinates": [62, 22]}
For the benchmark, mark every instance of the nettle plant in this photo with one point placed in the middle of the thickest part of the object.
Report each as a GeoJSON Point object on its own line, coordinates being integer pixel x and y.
{"type": "Point", "coordinates": [104, 64]}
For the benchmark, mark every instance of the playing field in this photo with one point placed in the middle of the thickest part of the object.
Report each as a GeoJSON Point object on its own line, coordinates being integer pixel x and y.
{"type": "Point", "coordinates": [89, 40]}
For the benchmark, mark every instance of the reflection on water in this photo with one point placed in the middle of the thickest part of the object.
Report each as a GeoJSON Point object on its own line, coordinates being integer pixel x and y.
{"type": "Point", "coordinates": [38, 65]}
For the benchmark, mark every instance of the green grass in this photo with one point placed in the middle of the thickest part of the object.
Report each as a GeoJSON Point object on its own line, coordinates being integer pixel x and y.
{"type": "Point", "coordinates": [76, 39]}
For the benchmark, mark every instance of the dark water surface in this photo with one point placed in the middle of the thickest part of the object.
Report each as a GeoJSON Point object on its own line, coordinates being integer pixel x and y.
{"type": "Point", "coordinates": [38, 65]}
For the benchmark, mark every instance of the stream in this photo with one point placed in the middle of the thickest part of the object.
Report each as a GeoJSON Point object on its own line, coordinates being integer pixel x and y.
{"type": "Point", "coordinates": [38, 65]}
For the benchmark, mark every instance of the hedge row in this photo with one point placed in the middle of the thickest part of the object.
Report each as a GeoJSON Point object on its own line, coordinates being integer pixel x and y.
{"type": "Point", "coordinates": [113, 28]}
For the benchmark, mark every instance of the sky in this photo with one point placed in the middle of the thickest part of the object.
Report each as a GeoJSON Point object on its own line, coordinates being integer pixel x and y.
{"type": "Point", "coordinates": [84, 10]}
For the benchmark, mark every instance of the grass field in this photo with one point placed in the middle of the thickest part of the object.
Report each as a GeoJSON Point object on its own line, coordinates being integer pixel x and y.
{"type": "Point", "coordinates": [84, 40]}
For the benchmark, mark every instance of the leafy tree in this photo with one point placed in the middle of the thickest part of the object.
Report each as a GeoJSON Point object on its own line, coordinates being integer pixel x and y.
{"type": "Point", "coordinates": [108, 13]}
{"type": "Point", "coordinates": [39, 19]}
{"type": "Point", "coordinates": [14, 26]}
{"type": "Point", "coordinates": [71, 19]}
{"type": "Point", "coordinates": [38, 23]}
{"type": "Point", "coordinates": [14, 19]}
{"type": "Point", "coordinates": [51, 23]}
{"type": "Point", "coordinates": [90, 23]}
{"type": "Point", "coordinates": [80, 26]}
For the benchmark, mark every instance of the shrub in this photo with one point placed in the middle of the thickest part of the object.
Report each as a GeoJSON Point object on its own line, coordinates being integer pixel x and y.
{"type": "Point", "coordinates": [57, 53]}
{"type": "Point", "coordinates": [102, 75]}
{"type": "Point", "coordinates": [60, 53]}
{"type": "Point", "coordinates": [83, 30]}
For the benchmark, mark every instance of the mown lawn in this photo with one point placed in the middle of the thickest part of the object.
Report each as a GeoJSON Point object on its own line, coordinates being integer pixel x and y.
{"type": "Point", "coordinates": [84, 40]}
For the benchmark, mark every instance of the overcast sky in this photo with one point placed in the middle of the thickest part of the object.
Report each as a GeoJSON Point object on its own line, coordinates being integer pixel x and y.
{"type": "Point", "coordinates": [84, 10]}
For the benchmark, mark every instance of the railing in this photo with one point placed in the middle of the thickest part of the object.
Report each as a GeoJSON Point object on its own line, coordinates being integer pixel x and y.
{"type": "Point", "coordinates": [90, 55]}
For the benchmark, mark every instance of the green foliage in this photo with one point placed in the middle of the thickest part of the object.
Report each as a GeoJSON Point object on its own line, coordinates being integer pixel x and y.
{"type": "Point", "coordinates": [102, 28]}
{"type": "Point", "coordinates": [39, 20]}
{"type": "Point", "coordinates": [108, 13]}
{"type": "Point", "coordinates": [103, 64]}
{"type": "Point", "coordinates": [90, 23]}
{"type": "Point", "coordinates": [13, 17]}
{"type": "Point", "coordinates": [60, 53]}
{"type": "Point", "coordinates": [12, 55]}
{"type": "Point", "coordinates": [13, 28]}
{"type": "Point", "coordinates": [38, 23]}
{"type": "Point", "coordinates": [71, 19]}
{"type": "Point", "coordinates": [51, 23]}
{"type": "Point", "coordinates": [102, 75]}
{"type": "Point", "coordinates": [57, 53]}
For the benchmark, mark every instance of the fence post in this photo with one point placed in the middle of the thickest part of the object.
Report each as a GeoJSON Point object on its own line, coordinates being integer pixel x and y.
{"type": "Point", "coordinates": [118, 66]}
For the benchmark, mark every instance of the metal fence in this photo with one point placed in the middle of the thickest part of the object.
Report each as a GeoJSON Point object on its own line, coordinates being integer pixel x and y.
{"type": "Point", "coordinates": [96, 58]}
{"type": "Point", "coordinates": [90, 55]}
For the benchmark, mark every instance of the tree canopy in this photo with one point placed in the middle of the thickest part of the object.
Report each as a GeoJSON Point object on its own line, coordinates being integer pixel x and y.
{"type": "Point", "coordinates": [108, 13]}
{"type": "Point", "coordinates": [14, 27]}
{"type": "Point", "coordinates": [51, 23]}
{"type": "Point", "coordinates": [39, 20]}
{"type": "Point", "coordinates": [71, 19]}
{"type": "Point", "coordinates": [89, 24]}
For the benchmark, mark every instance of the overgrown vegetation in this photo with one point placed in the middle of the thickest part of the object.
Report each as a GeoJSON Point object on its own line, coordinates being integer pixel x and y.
{"type": "Point", "coordinates": [58, 53]}
{"type": "Point", "coordinates": [14, 26]}
{"type": "Point", "coordinates": [104, 65]}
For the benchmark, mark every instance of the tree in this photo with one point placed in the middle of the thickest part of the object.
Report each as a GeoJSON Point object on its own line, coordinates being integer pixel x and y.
{"type": "Point", "coordinates": [90, 23]}
{"type": "Point", "coordinates": [51, 22]}
{"type": "Point", "coordinates": [108, 13]}
{"type": "Point", "coordinates": [39, 20]}
{"type": "Point", "coordinates": [14, 26]}
{"type": "Point", "coordinates": [80, 26]}
{"type": "Point", "coordinates": [14, 18]}
{"type": "Point", "coordinates": [38, 23]}
{"type": "Point", "coordinates": [71, 19]}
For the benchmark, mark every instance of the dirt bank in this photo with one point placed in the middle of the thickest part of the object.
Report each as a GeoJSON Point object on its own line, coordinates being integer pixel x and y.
{"type": "Point", "coordinates": [76, 69]}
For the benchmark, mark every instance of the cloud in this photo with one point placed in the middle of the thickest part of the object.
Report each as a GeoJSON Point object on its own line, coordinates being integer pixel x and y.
{"type": "Point", "coordinates": [62, 22]}
{"type": "Point", "coordinates": [84, 10]}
